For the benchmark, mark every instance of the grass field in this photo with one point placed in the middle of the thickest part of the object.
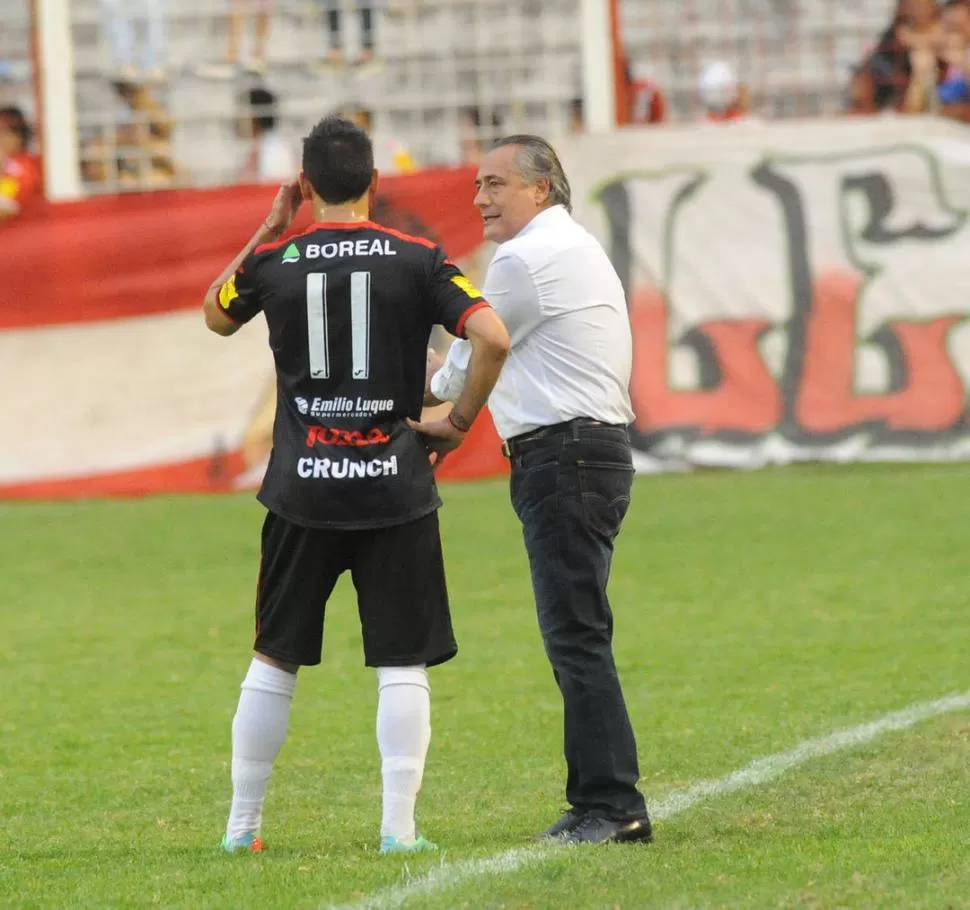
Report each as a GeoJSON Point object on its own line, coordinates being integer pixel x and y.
{"type": "Point", "coordinates": [754, 611]}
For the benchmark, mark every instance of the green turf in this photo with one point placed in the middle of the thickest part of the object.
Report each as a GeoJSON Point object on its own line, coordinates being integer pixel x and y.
{"type": "Point", "coordinates": [753, 611]}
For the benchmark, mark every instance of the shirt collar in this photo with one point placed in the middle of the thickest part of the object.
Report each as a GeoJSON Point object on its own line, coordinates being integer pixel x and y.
{"type": "Point", "coordinates": [545, 218]}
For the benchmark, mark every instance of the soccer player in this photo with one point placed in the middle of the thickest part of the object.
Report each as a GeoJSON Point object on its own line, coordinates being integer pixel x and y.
{"type": "Point", "coordinates": [350, 484]}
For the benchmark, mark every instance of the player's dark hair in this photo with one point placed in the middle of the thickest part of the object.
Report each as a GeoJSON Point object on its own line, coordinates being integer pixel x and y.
{"type": "Point", "coordinates": [537, 158]}
{"type": "Point", "coordinates": [16, 122]}
{"type": "Point", "coordinates": [338, 160]}
{"type": "Point", "coordinates": [262, 106]}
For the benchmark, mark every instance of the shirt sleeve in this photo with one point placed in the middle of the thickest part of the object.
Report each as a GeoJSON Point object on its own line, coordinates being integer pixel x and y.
{"type": "Point", "coordinates": [513, 295]}
{"type": "Point", "coordinates": [508, 281]}
{"type": "Point", "coordinates": [448, 382]}
{"type": "Point", "coordinates": [239, 296]}
{"type": "Point", "coordinates": [453, 297]}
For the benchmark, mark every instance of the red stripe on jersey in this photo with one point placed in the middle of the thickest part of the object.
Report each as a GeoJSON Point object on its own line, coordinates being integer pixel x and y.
{"type": "Point", "coordinates": [410, 238]}
{"type": "Point", "coordinates": [460, 327]}
{"type": "Point", "coordinates": [346, 226]}
{"type": "Point", "coordinates": [276, 244]}
{"type": "Point", "coordinates": [229, 315]}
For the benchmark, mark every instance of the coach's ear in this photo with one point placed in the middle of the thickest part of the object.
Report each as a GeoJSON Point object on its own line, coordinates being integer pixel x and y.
{"type": "Point", "coordinates": [375, 182]}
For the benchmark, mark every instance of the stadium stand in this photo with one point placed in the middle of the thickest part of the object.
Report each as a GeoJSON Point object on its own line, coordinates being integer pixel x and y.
{"type": "Point", "coordinates": [16, 68]}
{"type": "Point", "coordinates": [449, 74]}
{"type": "Point", "coordinates": [511, 64]}
{"type": "Point", "coordinates": [796, 57]}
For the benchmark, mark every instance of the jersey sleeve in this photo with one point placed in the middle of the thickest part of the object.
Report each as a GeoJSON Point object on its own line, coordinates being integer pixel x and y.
{"type": "Point", "coordinates": [453, 297]}
{"type": "Point", "coordinates": [239, 296]}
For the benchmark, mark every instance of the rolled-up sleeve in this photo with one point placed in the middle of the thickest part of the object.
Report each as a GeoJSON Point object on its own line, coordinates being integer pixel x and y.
{"type": "Point", "coordinates": [447, 383]}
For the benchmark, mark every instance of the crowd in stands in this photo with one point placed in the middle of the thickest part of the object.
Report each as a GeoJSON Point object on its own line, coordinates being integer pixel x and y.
{"type": "Point", "coordinates": [256, 16]}
{"type": "Point", "coordinates": [919, 64]}
{"type": "Point", "coordinates": [133, 148]}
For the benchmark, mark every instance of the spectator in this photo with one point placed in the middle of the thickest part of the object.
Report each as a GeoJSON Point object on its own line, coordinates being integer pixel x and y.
{"type": "Point", "coordinates": [334, 18]}
{"type": "Point", "coordinates": [146, 139]}
{"type": "Point", "coordinates": [644, 97]}
{"type": "Point", "coordinates": [146, 59]}
{"type": "Point", "coordinates": [20, 181]}
{"type": "Point", "coordinates": [902, 72]}
{"type": "Point", "coordinates": [471, 135]}
{"type": "Point", "coordinates": [723, 98]}
{"type": "Point", "coordinates": [240, 12]}
{"type": "Point", "coordinates": [954, 90]}
{"type": "Point", "coordinates": [921, 35]}
{"type": "Point", "coordinates": [271, 157]}
{"type": "Point", "coordinates": [639, 101]}
{"type": "Point", "coordinates": [576, 124]}
{"type": "Point", "coordinates": [391, 155]}
{"type": "Point", "coordinates": [138, 151]}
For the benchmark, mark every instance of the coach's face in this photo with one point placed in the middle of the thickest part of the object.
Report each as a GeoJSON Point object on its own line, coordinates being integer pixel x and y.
{"type": "Point", "coordinates": [507, 202]}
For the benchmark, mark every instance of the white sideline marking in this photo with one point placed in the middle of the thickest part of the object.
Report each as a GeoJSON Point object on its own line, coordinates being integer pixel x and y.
{"type": "Point", "coordinates": [760, 771]}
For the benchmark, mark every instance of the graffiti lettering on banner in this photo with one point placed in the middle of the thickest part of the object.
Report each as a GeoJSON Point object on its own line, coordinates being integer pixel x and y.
{"type": "Point", "coordinates": [833, 326]}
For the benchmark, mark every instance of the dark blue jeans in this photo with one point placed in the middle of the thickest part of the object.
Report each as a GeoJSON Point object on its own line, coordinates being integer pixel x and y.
{"type": "Point", "coordinates": [571, 491]}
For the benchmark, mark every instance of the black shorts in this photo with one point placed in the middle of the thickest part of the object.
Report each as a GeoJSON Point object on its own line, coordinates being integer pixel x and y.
{"type": "Point", "coordinates": [399, 575]}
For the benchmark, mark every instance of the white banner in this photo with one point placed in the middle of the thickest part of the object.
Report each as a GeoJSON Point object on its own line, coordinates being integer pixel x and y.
{"type": "Point", "coordinates": [797, 291]}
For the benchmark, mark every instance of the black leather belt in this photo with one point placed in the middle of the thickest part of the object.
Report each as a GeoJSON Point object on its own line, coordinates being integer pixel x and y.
{"type": "Point", "coordinates": [517, 444]}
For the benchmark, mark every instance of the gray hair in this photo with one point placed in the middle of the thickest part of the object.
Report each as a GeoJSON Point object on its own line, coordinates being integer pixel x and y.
{"type": "Point", "coordinates": [537, 158]}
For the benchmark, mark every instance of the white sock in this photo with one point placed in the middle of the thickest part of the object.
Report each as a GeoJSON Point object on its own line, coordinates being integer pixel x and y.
{"type": "Point", "coordinates": [258, 732]}
{"type": "Point", "coordinates": [403, 735]}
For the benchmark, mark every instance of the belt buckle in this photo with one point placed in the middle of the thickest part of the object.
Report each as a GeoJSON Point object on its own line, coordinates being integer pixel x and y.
{"type": "Point", "coordinates": [506, 451]}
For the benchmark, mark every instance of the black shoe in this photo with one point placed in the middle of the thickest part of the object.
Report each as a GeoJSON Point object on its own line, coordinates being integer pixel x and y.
{"type": "Point", "coordinates": [593, 829]}
{"type": "Point", "coordinates": [570, 819]}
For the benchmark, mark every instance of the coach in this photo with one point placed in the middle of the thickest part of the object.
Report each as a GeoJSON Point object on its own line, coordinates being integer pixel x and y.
{"type": "Point", "coordinates": [562, 404]}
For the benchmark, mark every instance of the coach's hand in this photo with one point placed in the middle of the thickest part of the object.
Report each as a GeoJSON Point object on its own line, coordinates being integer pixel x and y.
{"type": "Point", "coordinates": [440, 437]}
{"type": "Point", "coordinates": [433, 363]}
{"type": "Point", "coordinates": [285, 206]}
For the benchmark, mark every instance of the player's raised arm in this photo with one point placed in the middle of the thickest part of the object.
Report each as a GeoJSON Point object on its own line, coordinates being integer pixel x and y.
{"type": "Point", "coordinates": [227, 306]}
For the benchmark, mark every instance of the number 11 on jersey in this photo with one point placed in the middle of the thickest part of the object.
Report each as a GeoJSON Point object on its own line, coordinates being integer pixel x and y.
{"type": "Point", "coordinates": [318, 325]}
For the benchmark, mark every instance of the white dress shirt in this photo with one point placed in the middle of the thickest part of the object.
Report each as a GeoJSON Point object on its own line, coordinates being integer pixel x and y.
{"type": "Point", "coordinates": [560, 298]}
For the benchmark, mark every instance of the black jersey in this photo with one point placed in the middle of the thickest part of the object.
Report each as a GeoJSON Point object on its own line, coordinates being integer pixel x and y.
{"type": "Point", "coordinates": [350, 308]}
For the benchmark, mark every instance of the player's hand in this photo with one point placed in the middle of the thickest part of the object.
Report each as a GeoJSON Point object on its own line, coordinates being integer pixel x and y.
{"type": "Point", "coordinates": [285, 206]}
{"type": "Point", "coordinates": [434, 363]}
{"type": "Point", "coordinates": [440, 437]}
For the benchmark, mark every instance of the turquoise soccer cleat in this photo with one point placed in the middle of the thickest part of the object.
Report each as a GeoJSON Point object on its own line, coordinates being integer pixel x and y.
{"type": "Point", "coordinates": [248, 843]}
{"type": "Point", "coordinates": [392, 844]}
